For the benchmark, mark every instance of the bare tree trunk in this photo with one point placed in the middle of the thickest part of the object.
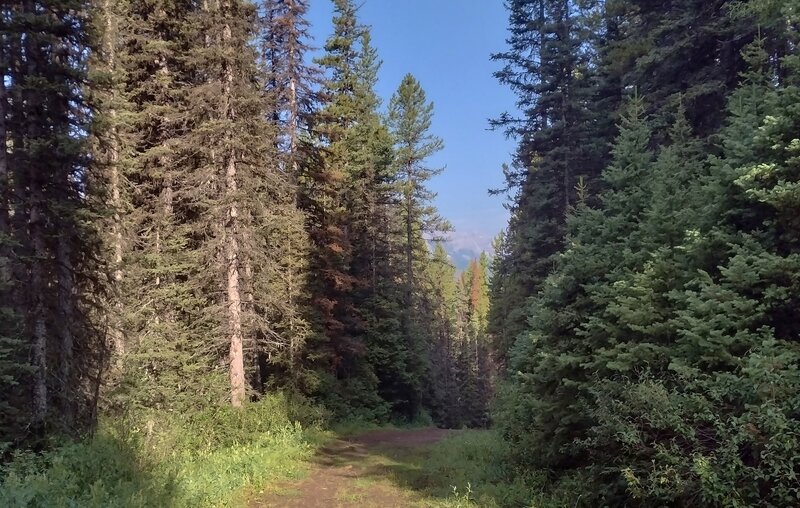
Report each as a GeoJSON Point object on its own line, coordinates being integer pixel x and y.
{"type": "Point", "coordinates": [109, 47]}
{"type": "Point", "coordinates": [236, 355]}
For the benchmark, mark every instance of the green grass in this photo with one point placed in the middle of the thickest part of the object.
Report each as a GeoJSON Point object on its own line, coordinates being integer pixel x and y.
{"type": "Point", "coordinates": [468, 470]}
{"type": "Point", "coordinates": [210, 458]}
{"type": "Point", "coordinates": [465, 470]}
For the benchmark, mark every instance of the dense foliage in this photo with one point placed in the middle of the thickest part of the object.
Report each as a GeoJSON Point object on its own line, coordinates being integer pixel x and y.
{"type": "Point", "coordinates": [657, 361]}
{"type": "Point", "coordinates": [195, 213]}
{"type": "Point", "coordinates": [209, 240]}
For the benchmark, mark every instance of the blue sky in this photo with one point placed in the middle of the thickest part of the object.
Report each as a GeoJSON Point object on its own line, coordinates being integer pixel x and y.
{"type": "Point", "coordinates": [446, 44]}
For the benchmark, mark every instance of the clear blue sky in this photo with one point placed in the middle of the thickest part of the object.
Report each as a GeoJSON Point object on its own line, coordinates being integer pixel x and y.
{"type": "Point", "coordinates": [446, 44]}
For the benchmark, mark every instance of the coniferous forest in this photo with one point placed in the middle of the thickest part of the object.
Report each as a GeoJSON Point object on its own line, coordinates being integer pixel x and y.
{"type": "Point", "coordinates": [220, 250]}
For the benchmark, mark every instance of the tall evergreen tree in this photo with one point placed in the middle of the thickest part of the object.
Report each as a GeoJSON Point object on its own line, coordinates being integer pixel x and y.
{"type": "Point", "coordinates": [651, 371]}
{"type": "Point", "coordinates": [163, 320]}
{"type": "Point", "coordinates": [410, 118]}
{"type": "Point", "coordinates": [545, 408]}
{"type": "Point", "coordinates": [290, 79]}
{"type": "Point", "coordinates": [685, 51]}
{"type": "Point", "coordinates": [50, 247]}
{"type": "Point", "coordinates": [106, 93]}
{"type": "Point", "coordinates": [550, 65]}
{"type": "Point", "coordinates": [343, 196]}
{"type": "Point", "coordinates": [440, 304]}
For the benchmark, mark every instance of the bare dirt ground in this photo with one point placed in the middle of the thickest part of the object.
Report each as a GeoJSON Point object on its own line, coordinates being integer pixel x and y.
{"type": "Point", "coordinates": [359, 471]}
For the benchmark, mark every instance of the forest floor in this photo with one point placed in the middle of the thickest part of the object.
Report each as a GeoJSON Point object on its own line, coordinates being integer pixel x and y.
{"type": "Point", "coordinates": [382, 468]}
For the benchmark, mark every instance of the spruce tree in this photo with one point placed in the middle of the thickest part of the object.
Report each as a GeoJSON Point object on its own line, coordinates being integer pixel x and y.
{"type": "Point", "coordinates": [545, 407]}
{"type": "Point", "coordinates": [697, 40]}
{"type": "Point", "coordinates": [290, 80]}
{"type": "Point", "coordinates": [106, 93]}
{"type": "Point", "coordinates": [164, 317]}
{"type": "Point", "coordinates": [410, 118]}
{"type": "Point", "coordinates": [550, 65]}
{"type": "Point", "coordinates": [50, 247]}
{"type": "Point", "coordinates": [342, 196]}
{"type": "Point", "coordinates": [441, 304]}
{"type": "Point", "coordinates": [723, 299]}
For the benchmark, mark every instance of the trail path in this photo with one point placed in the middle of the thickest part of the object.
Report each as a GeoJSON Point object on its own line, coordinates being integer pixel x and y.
{"type": "Point", "coordinates": [369, 470]}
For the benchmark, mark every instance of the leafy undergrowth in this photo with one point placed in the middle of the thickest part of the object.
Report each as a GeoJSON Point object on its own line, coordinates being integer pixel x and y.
{"type": "Point", "coordinates": [209, 458]}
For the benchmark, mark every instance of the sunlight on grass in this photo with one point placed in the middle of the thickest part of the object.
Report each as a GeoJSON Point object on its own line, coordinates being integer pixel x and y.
{"type": "Point", "coordinates": [203, 460]}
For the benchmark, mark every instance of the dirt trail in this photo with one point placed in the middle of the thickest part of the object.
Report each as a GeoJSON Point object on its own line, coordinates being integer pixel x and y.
{"type": "Point", "coordinates": [355, 472]}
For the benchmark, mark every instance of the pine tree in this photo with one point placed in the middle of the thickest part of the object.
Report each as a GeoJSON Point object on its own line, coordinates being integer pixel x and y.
{"type": "Point", "coordinates": [726, 300]}
{"type": "Point", "coordinates": [289, 79]}
{"type": "Point", "coordinates": [550, 65]}
{"type": "Point", "coordinates": [49, 238]}
{"type": "Point", "coordinates": [410, 117]}
{"type": "Point", "coordinates": [699, 41]}
{"type": "Point", "coordinates": [164, 319]}
{"type": "Point", "coordinates": [651, 370]}
{"type": "Point", "coordinates": [545, 408]}
{"type": "Point", "coordinates": [440, 310]}
{"type": "Point", "coordinates": [342, 196]}
{"type": "Point", "coordinates": [12, 366]}
{"type": "Point", "coordinates": [475, 366]}
{"type": "Point", "coordinates": [106, 89]}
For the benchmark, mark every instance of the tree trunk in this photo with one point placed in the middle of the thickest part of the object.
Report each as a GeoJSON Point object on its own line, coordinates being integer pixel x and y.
{"type": "Point", "coordinates": [4, 180]}
{"type": "Point", "coordinates": [109, 47]}
{"type": "Point", "coordinates": [565, 96]}
{"type": "Point", "coordinates": [294, 115]}
{"type": "Point", "coordinates": [412, 409]}
{"type": "Point", "coordinates": [66, 290]}
{"type": "Point", "coordinates": [39, 338]}
{"type": "Point", "coordinates": [409, 235]}
{"type": "Point", "coordinates": [237, 377]}
{"type": "Point", "coordinates": [234, 303]}
{"type": "Point", "coordinates": [36, 223]}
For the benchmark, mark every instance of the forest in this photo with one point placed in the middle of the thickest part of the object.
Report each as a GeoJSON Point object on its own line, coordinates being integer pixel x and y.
{"type": "Point", "coordinates": [221, 257]}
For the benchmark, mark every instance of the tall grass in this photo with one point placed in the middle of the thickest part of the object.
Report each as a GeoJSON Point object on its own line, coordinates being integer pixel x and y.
{"type": "Point", "coordinates": [470, 469]}
{"type": "Point", "coordinates": [207, 458]}
{"type": "Point", "coordinates": [473, 469]}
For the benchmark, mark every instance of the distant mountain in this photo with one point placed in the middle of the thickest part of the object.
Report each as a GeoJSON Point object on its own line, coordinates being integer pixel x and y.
{"type": "Point", "coordinates": [461, 257]}
{"type": "Point", "coordinates": [464, 246]}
